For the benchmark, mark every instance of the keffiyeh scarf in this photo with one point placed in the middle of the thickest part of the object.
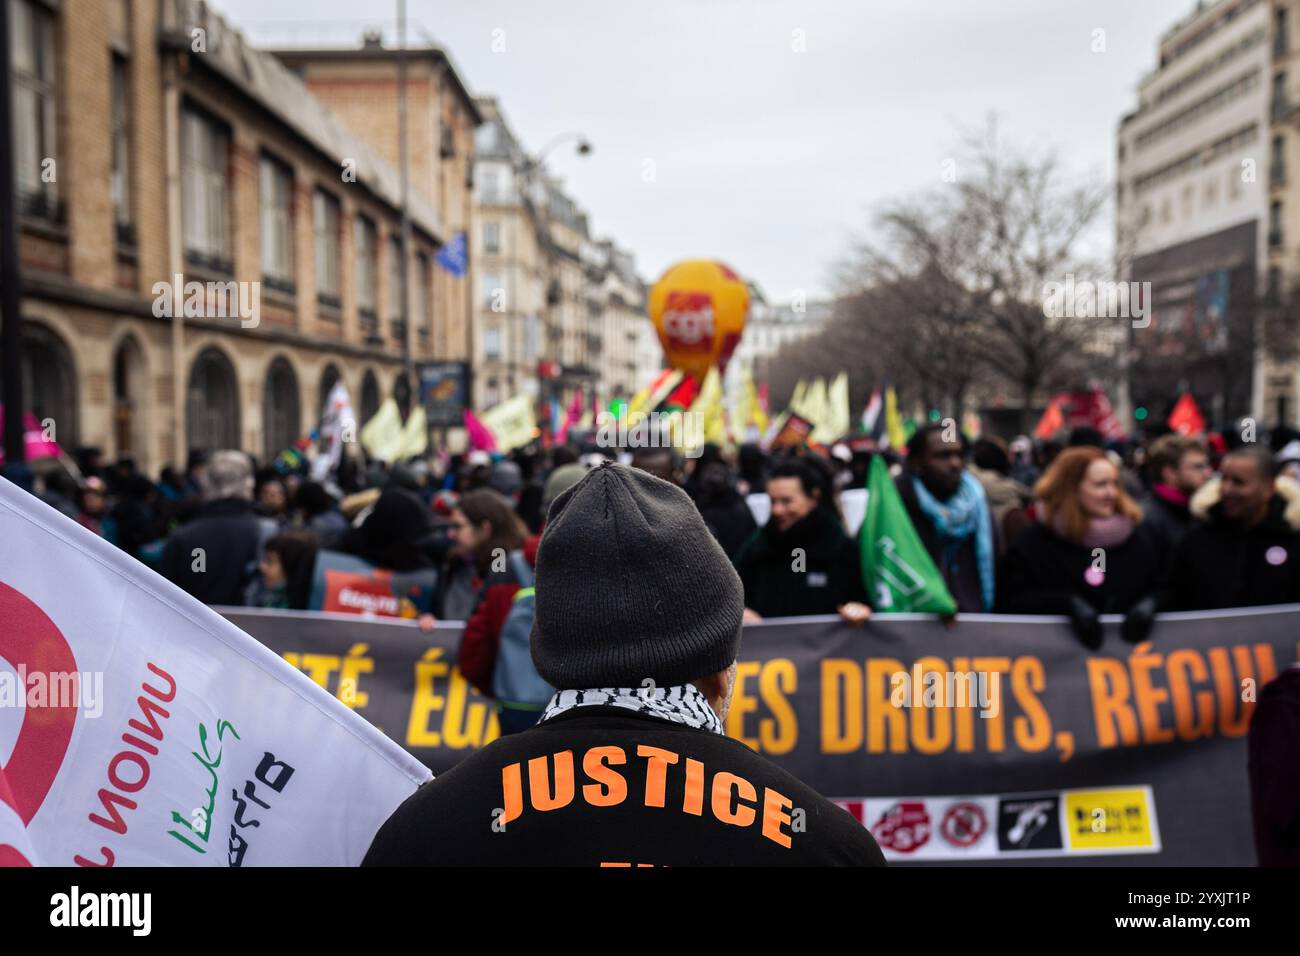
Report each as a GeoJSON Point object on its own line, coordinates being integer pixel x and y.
{"type": "Point", "coordinates": [681, 703]}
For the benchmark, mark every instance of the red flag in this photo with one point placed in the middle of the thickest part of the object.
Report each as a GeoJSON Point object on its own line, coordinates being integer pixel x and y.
{"type": "Point", "coordinates": [682, 397]}
{"type": "Point", "coordinates": [1052, 420]}
{"type": "Point", "coordinates": [1186, 418]}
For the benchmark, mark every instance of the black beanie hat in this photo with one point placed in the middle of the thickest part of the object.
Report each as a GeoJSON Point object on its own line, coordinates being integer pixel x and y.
{"type": "Point", "coordinates": [631, 586]}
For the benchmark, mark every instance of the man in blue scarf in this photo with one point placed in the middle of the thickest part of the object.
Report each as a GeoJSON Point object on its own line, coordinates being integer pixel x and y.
{"type": "Point", "coordinates": [951, 515]}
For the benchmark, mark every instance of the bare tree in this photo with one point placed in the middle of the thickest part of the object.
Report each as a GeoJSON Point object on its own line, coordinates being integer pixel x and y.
{"type": "Point", "coordinates": [950, 292]}
{"type": "Point", "coordinates": [1028, 225]}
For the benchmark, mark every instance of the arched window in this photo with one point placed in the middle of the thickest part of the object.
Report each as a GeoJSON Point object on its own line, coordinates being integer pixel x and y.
{"type": "Point", "coordinates": [212, 403]}
{"type": "Point", "coordinates": [369, 398]}
{"type": "Point", "coordinates": [50, 382]}
{"type": "Point", "coordinates": [281, 416]}
{"type": "Point", "coordinates": [129, 390]}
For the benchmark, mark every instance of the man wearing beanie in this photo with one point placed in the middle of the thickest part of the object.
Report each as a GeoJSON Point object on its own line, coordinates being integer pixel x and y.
{"type": "Point", "coordinates": [637, 622]}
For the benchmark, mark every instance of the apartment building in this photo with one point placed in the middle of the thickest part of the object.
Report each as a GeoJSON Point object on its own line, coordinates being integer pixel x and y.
{"type": "Point", "coordinates": [556, 310]}
{"type": "Point", "coordinates": [1195, 215]}
{"type": "Point", "coordinates": [360, 84]}
{"type": "Point", "coordinates": [205, 248]}
{"type": "Point", "coordinates": [510, 266]}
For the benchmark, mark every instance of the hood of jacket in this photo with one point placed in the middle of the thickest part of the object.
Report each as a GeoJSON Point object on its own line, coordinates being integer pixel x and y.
{"type": "Point", "coordinates": [1287, 489]}
{"type": "Point", "coordinates": [1002, 490]}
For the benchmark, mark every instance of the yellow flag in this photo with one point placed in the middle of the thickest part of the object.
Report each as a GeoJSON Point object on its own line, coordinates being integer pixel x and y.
{"type": "Point", "coordinates": [834, 423]}
{"type": "Point", "coordinates": [893, 421]}
{"type": "Point", "coordinates": [385, 436]}
{"type": "Point", "coordinates": [814, 404]}
{"type": "Point", "coordinates": [796, 400]}
{"type": "Point", "coordinates": [708, 406]}
{"type": "Point", "coordinates": [511, 423]}
{"type": "Point", "coordinates": [756, 413]}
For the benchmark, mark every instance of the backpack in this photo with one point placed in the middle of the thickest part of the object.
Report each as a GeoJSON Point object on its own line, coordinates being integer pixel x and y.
{"type": "Point", "coordinates": [520, 692]}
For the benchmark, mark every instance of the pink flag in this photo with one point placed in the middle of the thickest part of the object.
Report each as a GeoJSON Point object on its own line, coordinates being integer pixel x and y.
{"type": "Point", "coordinates": [34, 441]}
{"type": "Point", "coordinates": [480, 438]}
{"type": "Point", "coordinates": [572, 417]}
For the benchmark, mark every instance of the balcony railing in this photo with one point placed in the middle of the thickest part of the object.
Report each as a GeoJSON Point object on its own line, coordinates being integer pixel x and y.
{"type": "Point", "coordinates": [42, 204]}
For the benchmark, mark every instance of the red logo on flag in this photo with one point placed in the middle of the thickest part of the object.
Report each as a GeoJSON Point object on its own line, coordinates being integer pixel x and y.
{"type": "Point", "coordinates": [964, 824]}
{"type": "Point", "coordinates": [903, 828]}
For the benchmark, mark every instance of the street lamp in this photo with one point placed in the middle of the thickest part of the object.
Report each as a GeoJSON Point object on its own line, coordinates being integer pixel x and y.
{"type": "Point", "coordinates": [583, 148]}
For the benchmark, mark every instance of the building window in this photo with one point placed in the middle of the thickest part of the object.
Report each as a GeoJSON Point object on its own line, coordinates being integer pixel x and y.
{"type": "Point", "coordinates": [530, 338]}
{"type": "Point", "coordinates": [31, 52]}
{"type": "Point", "coordinates": [369, 397]}
{"type": "Point", "coordinates": [492, 344]}
{"type": "Point", "coordinates": [1279, 96]}
{"type": "Point", "coordinates": [205, 150]}
{"type": "Point", "coordinates": [394, 278]}
{"type": "Point", "coordinates": [325, 225]}
{"type": "Point", "coordinates": [1277, 162]}
{"type": "Point", "coordinates": [276, 194]}
{"type": "Point", "coordinates": [1275, 224]}
{"type": "Point", "coordinates": [281, 415]}
{"type": "Point", "coordinates": [212, 403]}
{"type": "Point", "coordinates": [1281, 36]}
{"type": "Point", "coordinates": [491, 290]}
{"type": "Point", "coordinates": [420, 297]}
{"type": "Point", "coordinates": [121, 174]}
{"type": "Point", "coordinates": [365, 243]}
{"type": "Point", "coordinates": [50, 380]}
{"type": "Point", "coordinates": [491, 237]}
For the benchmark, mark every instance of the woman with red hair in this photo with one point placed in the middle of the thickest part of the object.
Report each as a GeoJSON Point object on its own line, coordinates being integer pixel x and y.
{"type": "Point", "coordinates": [1087, 554]}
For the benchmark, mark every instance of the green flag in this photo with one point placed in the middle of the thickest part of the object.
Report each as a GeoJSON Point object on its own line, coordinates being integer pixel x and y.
{"type": "Point", "coordinates": [896, 569]}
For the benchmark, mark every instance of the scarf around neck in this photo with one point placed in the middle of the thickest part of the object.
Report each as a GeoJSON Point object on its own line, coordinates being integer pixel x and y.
{"type": "Point", "coordinates": [966, 513]}
{"type": "Point", "coordinates": [1170, 494]}
{"type": "Point", "coordinates": [1108, 532]}
{"type": "Point", "coordinates": [680, 704]}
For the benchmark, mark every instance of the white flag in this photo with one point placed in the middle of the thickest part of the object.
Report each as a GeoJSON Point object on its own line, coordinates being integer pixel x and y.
{"type": "Point", "coordinates": [139, 727]}
{"type": "Point", "coordinates": [338, 423]}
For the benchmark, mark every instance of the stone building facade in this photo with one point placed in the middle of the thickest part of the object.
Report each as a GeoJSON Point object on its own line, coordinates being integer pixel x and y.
{"type": "Point", "coordinates": [153, 142]}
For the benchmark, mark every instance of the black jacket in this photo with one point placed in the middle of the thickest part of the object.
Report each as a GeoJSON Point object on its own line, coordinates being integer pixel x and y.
{"type": "Point", "coordinates": [1041, 570]}
{"type": "Point", "coordinates": [1274, 766]}
{"type": "Point", "coordinates": [728, 518]}
{"type": "Point", "coordinates": [231, 535]}
{"type": "Point", "coordinates": [1167, 521]}
{"type": "Point", "coordinates": [608, 786]}
{"type": "Point", "coordinates": [1221, 563]}
{"type": "Point", "coordinates": [961, 572]}
{"type": "Point", "coordinates": [781, 583]}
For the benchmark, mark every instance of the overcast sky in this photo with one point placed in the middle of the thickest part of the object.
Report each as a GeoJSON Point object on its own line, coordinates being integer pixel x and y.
{"type": "Point", "coordinates": [756, 153]}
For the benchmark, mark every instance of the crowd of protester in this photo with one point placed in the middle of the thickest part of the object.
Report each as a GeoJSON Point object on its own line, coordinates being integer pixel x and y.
{"type": "Point", "coordinates": [1078, 527]}
{"type": "Point", "coordinates": [1075, 527]}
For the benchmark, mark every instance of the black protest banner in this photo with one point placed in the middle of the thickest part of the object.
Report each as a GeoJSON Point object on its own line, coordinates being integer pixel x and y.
{"type": "Point", "coordinates": [999, 738]}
